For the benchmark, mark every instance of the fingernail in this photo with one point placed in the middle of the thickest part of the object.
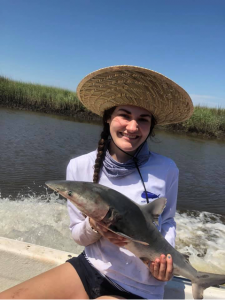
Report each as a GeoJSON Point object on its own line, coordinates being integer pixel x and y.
{"type": "Point", "coordinates": [168, 256]}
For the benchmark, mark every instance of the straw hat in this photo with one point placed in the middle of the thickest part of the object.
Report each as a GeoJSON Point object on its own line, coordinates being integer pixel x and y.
{"type": "Point", "coordinates": [129, 85]}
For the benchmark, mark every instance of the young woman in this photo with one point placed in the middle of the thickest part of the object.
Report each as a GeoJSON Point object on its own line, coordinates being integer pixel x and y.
{"type": "Point", "coordinates": [132, 100]}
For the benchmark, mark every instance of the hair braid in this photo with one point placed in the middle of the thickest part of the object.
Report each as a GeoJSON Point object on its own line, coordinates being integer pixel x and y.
{"type": "Point", "coordinates": [102, 143]}
{"type": "Point", "coordinates": [100, 152]}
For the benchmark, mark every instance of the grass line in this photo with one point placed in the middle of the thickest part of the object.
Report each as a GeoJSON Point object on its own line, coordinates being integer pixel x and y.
{"type": "Point", "coordinates": [204, 121]}
{"type": "Point", "coordinates": [15, 94]}
{"type": "Point", "coordinates": [35, 97]}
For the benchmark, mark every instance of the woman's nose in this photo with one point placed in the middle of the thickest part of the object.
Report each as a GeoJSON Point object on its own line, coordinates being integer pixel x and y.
{"type": "Point", "coordinates": [132, 126]}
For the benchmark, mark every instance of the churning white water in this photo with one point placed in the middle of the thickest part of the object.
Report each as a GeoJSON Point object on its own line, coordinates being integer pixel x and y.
{"type": "Point", "coordinates": [38, 220]}
{"type": "Point", "coordinates": [43, 220]}
{"type": "Point", "coordinates": [202, 237]}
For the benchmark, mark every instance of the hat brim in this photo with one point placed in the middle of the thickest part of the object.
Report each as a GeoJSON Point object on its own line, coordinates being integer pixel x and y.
{"type": "Point", "coordinates": [130, 85]}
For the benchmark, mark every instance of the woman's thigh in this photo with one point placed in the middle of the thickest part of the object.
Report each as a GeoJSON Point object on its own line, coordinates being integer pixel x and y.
{"type": "Point", "coordinates": [61, 282]}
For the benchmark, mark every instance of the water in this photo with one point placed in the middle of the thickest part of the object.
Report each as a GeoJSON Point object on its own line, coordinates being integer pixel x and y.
{"type": "Point", "coordinates": [36, 148]}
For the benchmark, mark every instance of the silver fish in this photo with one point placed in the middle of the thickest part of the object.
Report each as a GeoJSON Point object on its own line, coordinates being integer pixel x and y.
{"type": "Point", "coordinates": [135, 222]}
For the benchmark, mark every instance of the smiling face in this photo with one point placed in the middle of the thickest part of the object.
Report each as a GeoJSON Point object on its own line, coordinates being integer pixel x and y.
{"type": "Point", "coordinates": [129, 128]}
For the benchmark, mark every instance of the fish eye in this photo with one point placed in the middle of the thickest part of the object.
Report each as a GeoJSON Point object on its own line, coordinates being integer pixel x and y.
{"type": "Point", "coordinates": [70, 193]}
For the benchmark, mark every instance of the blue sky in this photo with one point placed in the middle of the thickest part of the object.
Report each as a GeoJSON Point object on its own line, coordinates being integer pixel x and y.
{"type": "Point", "coordinates": [58, 42]}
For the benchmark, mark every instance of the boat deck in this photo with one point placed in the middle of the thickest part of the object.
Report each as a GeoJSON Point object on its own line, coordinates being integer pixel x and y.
{"type": "Point", "coordinates": [20, 261]}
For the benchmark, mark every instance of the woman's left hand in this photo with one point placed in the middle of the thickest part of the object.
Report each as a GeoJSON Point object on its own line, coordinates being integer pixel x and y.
{"type": "Point", "coordinates": [162, 268]}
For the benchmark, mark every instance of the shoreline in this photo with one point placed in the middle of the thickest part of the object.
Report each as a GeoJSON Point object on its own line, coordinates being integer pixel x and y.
{"type": "Point", "coordinates": [208, 123]}
{"type": "Point", "coordinates": [201, 135]}
{"type": "Point", "coordinates": [80, 114]}
{"type": "Point", "coordinates": [83, 115]}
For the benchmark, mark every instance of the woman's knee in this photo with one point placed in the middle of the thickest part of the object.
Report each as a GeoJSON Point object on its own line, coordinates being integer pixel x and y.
{"type": "Point", "coordinates": [60, 282]}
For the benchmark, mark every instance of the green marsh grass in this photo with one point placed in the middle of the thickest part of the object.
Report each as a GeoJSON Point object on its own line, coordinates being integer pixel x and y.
{"type": "Point", "coordinates": [15, 94]}
{"type": "Point", "coordinates": [204, 121]}
{"type": "Point", "coordinates": [35, 97]}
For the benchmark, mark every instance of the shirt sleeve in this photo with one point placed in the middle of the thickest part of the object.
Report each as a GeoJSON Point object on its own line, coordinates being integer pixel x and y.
{"type": "Point", "coordinates": [81, 230]}
{"type": "Point", "coordinates": [168, 228]}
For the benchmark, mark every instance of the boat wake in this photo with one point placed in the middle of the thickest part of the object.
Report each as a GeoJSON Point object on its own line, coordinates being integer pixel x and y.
{"type": "Point", "coordinates": [43, 220]}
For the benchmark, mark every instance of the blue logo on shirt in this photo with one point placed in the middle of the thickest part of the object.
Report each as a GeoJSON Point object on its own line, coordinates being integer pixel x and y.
{"type": "Point", "coordinates": [150, 195]}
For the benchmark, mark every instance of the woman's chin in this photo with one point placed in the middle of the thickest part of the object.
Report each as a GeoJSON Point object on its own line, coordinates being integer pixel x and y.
{"type": "Point", "coordinates": [126, 144]}
{"type": "Point", "coordinates": [129, 147]}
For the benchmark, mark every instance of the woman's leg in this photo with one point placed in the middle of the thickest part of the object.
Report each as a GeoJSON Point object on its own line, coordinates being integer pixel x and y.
{"type": "Point", "coordinates": [61, 282]}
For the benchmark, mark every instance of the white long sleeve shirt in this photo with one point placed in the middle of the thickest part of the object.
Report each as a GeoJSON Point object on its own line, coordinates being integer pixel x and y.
{"type": "Point", "coordinates": [160, 176]}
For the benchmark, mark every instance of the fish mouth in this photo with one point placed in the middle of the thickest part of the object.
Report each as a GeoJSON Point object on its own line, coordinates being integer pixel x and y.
{"type": "Point", "coordinates": [98, 213]}
{"type": "Point", "coordinates": [51, 185]}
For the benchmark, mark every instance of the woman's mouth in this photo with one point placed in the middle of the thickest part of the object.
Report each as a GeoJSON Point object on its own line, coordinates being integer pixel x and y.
{"type": "Point", "coordinates": [129, 136]}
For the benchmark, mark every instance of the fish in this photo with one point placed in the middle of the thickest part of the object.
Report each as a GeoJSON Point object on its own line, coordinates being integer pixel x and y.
{"type": "Point", "coordinates": [137, 223]}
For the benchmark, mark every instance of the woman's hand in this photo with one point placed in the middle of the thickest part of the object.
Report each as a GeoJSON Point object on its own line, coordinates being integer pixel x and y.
{"type": "Point", "coordinates": [109, 235]}
{"type": "Point", "coordinates": [162, 268]}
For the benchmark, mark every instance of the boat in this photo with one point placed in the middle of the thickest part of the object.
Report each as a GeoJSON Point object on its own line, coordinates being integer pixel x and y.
{"type": "Point", "coordinates": [20, 261]}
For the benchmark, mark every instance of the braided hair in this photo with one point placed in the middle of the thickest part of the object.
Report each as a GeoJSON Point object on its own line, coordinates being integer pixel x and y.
{"type": "Point", "coordinates": [104, 138]}
{"type": "Point", "coordinates": [102, 143]}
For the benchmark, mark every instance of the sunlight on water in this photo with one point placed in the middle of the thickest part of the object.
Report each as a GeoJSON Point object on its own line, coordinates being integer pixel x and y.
{"type": "Point", "coordinates": [43, 220]}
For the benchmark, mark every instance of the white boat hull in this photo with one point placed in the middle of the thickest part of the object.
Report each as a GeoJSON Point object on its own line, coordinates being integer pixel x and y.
{"type": "Point", "coordinates": [21, 261]}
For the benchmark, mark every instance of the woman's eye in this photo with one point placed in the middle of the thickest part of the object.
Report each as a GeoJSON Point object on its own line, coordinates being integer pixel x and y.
{"type": "Point", "coordinates": [143, 120]}
{"type": "Point", "coordinates": [124, 116]}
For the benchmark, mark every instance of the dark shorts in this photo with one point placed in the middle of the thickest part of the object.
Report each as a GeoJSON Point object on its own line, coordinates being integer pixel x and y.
{"type": "Point", "coordinates": [94, 283]}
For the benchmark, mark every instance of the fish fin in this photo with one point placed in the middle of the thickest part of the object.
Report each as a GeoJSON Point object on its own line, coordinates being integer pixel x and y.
{"type": "Point", "coordinates": [155, 208]}
{"type": "Point", "coordinates": [197, 291]}
{"type": "Point", "coordinates": [128, 237]}
{"type": "Point", "coordinates": [204, 280]}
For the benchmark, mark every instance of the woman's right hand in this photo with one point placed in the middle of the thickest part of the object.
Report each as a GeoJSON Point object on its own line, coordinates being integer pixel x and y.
{"type": "Point", "coordinates": [109, 235]}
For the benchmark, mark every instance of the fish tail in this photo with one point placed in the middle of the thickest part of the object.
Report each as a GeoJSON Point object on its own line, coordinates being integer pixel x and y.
{"type": "Point", "coordinates": [204, 280]}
